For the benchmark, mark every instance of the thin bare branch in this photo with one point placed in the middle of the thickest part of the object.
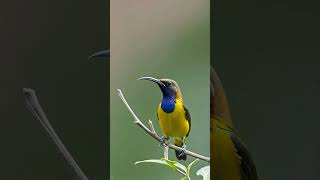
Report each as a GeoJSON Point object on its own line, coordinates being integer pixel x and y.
{"type": "Point", "coordinates": [34, 106]}
{"type": "Point", "coordinates": [153, 133]}
{"type": "Point", "coordinates": [151, 127]}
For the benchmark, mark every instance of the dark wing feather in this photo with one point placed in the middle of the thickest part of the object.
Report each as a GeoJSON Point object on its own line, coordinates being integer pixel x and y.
{"type": "Point", "coordinates": [187, 115]}
{"type": "Point", "coordinates": [157, 116]}
{"type": "Point", "coordinates": [248, 169]}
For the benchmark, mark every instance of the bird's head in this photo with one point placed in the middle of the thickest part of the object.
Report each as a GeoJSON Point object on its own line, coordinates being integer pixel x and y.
{"type": "Point", "coordinates": [169, 87]}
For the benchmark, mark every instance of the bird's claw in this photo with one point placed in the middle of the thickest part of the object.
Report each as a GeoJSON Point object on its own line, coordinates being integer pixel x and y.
{"type": "Point", "coordinates": [163, 142]}
{"type": "Point", "coordinates": [183, 150]}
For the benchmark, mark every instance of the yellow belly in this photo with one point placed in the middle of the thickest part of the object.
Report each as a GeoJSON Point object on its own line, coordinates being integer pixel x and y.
{"type": "Point", "coordinates": [225, 161]}
{"type": "Point", "coordinates": [173, 124]}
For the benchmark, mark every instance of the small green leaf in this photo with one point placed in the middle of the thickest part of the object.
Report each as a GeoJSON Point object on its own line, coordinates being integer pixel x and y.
{"type": "Point", "coordinates": [170, 163]}
{"type": "Point", "coordinates": [173, 164]}
{"type": "Point", "coordinates": [151, 161]}
{"type": "Point", "coordinates": [204, 172]}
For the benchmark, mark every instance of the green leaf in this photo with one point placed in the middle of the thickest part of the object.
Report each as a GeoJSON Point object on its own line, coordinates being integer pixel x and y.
{"type": "Point", "coordinates": [204, 172]}
{"type": "Point", "coordinates": [170, 163]}
{"type": "Point", "coordinates": [159, 161]}
{"type": "Point", "coordinates": [173, 164]}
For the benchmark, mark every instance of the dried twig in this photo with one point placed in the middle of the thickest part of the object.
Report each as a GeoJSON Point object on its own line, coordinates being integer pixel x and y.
{"type": "Point", "coordinates": [36, 109]}
{"type": "Point", "coordinates": [153, 133]}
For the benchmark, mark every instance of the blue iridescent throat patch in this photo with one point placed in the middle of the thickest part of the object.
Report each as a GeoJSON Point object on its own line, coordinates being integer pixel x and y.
{"type": "Point", "coordinates": [168, 105]}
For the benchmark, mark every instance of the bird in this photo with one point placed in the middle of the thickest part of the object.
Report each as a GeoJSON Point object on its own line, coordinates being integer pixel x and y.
{"type": "Point", "coordinates": [230, 158]}
{"type": "Point", "coordinates": [174, 118]}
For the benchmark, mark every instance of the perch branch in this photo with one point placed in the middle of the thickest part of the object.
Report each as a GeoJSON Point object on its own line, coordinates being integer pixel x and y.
{"type": "Point", "coordinates": [153, 133]}
{"type": "Point", "coordinates": [34, 106]}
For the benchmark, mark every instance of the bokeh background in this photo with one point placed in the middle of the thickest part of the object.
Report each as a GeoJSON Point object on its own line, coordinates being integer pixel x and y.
{"type": "Point", "coordinates": [161, 39]}
{"type": "Point", "coordinates": [267, 55]}
{"type": "Point", "coordinates": [44, 45]}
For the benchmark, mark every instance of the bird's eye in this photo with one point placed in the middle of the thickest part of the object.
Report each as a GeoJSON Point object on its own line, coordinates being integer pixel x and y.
{"type": "Point", "coordinates": [169, 83]}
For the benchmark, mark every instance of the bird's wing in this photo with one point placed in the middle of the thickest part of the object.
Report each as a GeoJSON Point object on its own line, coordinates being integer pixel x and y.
{"type": "Point", "coordinates": [158, 111]}
{"type": "Point", "coordinates": [188, 117]}
{"type": "Point", "coordinates": [219, 106]}
{"type": "Point", "coordinates": [157, 116]}
{"type": "Point", "coordinates": [248, 169]}
{"type": "Point", "coordinates": [220, 114]}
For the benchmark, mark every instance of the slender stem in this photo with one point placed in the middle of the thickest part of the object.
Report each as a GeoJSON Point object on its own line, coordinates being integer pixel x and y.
{"type": "Point", "coordinates": [152, 132]}
{"type": "Point", "coordinates": [34, 106]}
{"type": "Point", "coordinates": [181, 172]}
{"type": "Point", "coordinates": [166, 152]}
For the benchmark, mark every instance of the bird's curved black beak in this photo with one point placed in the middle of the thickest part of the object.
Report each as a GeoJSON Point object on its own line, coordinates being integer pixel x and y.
{"type": "Point", "coordinates": [155, 80]}
{"type": "Point", "coordinates": [105, 53]}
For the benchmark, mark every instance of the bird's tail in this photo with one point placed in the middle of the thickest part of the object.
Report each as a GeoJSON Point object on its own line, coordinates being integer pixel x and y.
{"type": "Point", "coordinates": [179, 154]}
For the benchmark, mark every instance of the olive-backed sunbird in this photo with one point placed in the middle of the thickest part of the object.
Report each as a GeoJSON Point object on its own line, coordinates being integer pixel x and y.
{"type": "Point", "coordinates": [230, 159]}
{"type": "Point", "coordinates": [173, 116]}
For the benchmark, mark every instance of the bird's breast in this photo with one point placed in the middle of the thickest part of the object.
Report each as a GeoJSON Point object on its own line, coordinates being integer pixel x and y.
{"type": "Point", "coordinates": [226, 162]}
{"type": "Point", "coordinates": [173, 124]}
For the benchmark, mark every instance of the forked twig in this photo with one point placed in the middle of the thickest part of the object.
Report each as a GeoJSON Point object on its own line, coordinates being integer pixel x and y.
{"type": "Point", "coordinates": [153, 133]}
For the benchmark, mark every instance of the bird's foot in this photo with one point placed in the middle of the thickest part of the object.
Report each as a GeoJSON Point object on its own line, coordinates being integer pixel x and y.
{"type": "Point", "coordinates": [183, 150]}
{"type": "Point", "coordinates": [163, 142]}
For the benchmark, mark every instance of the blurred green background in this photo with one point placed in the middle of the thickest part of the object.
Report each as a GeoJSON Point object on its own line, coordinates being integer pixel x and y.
{"type": "Point", "coordinates": [163, 39]}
